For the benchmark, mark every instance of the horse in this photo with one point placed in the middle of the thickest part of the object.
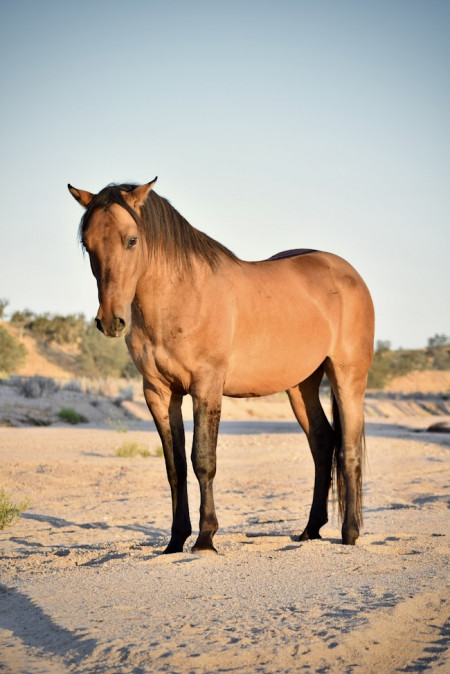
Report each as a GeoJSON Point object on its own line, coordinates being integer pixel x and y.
{"type": "Point", "coordinates": [198, 320]}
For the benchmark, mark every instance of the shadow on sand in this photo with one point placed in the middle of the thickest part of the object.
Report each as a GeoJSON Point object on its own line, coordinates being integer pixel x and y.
{"type": "Point", "coordinates": [29, 623]}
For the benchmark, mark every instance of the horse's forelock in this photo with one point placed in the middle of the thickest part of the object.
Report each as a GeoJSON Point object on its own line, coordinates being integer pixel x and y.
{"type": "Point", "coordinates": [109, 195]}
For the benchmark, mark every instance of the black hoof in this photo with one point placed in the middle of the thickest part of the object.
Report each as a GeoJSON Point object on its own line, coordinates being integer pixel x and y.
{"type": "Point", "coordinates": [204, 550]}
{"type": "Point", "coordinates": [173, 547]}
{"type": "Point", "coordinates": [349, 536]}
{"type": "Point", "coordinates": [204, 545]}
{"type": "Point", "coordinates": [306, 536]}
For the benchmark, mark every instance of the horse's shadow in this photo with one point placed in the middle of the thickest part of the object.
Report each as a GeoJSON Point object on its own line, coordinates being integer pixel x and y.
{"type": "Point", "coordinates": [29, 623]}
{"type": "Point", "coordinates": [60, 523]}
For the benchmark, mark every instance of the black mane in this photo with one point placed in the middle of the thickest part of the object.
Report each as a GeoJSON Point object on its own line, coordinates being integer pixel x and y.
{"type": "Point", "coordinates": [167, 233]}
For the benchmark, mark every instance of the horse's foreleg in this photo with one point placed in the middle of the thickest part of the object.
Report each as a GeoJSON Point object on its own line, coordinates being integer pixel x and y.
{"type": "Point", "coordinates": [206, 427]}
{"type": "Point", "coordinates": [308, 410]}
{"type": "Point", "coordinates": [166, 411]}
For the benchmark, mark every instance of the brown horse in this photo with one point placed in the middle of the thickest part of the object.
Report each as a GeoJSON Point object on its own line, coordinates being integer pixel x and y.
{"type": "Point", "coordinates": [199, 320]}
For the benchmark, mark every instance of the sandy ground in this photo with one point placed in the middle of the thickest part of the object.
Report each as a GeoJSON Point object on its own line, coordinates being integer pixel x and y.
{"type": "Point", "coordinates": [84, 587]}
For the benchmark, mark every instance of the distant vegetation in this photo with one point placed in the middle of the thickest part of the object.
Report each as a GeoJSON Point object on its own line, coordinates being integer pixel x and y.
{"type": "Point", "coordinates": [10, 511]}
{"type": "Point", "coordinates": [71, 416]}
{"type": "Point", "coordinates": [99, 357]}
{"type": "Point", "coordinates": [12, 352]}
{"type": "Point", "coordinates": [96, 356]}
{"type": "Point", "coordinates": [388, 363]}
{"type": "Point", "coordinates": [103, 357]}
{"type": "Point", "coordinates": [131, 449]}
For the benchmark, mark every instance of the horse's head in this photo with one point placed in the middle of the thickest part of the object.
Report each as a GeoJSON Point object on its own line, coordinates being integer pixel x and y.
{"type": "Point", "coordinates": [117, 251]}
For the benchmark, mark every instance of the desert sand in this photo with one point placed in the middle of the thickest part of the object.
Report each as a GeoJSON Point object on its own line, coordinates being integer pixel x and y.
{"type": "Point", "coordinates": [84, 586]}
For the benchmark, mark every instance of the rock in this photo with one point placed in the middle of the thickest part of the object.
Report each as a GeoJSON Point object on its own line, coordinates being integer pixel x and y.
{"type": "Point", "coordinates": [439, 427]}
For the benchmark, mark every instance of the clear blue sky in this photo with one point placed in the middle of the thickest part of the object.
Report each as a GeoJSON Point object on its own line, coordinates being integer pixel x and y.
{"type": "Point", "coordinates": [271, 125]}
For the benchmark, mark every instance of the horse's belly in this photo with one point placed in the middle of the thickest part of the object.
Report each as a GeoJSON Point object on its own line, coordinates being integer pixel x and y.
{"type": "Point", "coordinates": [272, 361]}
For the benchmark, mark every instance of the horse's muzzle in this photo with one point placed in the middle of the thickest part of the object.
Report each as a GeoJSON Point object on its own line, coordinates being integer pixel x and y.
{"type": "Point", "coordinates": [114, 328]}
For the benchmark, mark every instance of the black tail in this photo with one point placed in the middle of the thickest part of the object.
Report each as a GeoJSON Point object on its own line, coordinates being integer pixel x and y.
{"type": "Point", "coordinates": [338, 480]}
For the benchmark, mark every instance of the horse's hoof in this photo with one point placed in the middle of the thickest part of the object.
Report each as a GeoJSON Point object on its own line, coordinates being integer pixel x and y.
{"type": "Point", "coordinates": [173, 548]}
{"type": "Point", "coordinates": [349, 537]}
{"type": "Point", "coordinates": [204, 550]}
{"type": "Point", "coordinates": [306, 536]}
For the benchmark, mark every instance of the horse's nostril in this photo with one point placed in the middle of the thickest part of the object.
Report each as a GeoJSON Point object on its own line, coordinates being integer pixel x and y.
{"type": "Point", "coordinates": [99, 325]}
{"type": "Point", "coordinates": [118, 325]}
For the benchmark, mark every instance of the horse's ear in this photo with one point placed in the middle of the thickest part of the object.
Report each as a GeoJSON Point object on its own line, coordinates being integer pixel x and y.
{"type": "Point", "coordinates": [84, 198]}
{"type": "Point", "coordinates": [137, 196]}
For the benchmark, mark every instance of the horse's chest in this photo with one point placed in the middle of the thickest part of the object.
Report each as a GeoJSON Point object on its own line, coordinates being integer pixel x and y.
{"type": "Point", "coordinates": [160, 358]}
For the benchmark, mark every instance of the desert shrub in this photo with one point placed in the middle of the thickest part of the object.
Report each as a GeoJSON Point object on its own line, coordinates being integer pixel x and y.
{"type": "Point", "coordinates": [131, 449]}
{"type": "Point", "coordinates": [118, 424]}
{"type": "Point", "coordinates": [380, 370]}
{"type": "Point", "coordinates": [71, 416]}
{"type": "Point", "coordinates": [22, 318]}
{"type": "Point", "coordinates": [59, 329]}
{"type": "Point", "coordinates": [103, 357]}
{"type": "Point", "coordinates": [35, 387]}
{"type": "Point", "coordinates": [12, 352]}
{"type": "Point", "coordinates": [440, 358]}
{"type": "Point", "coordinates": [74, 386]}
{"type": "Point", "coordinates": [10, 511]}
{"type": "Point", "coordinates": [438, 352]}
{"type": "Point", "coordinates": [388, 364]}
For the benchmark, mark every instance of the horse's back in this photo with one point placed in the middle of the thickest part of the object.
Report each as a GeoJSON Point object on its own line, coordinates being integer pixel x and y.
{"type": "Point", "coordinates": [290, 312]}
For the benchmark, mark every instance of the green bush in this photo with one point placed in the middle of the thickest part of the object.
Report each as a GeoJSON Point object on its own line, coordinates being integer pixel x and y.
{"type": "Point", "coordinates": [12, 352]}
{"type": "Point", "coordinates": [10, 511]}
{"type": "Point", "coordinates": [71, 416]}
{"type": "Point", "coordinates": [48, 328]}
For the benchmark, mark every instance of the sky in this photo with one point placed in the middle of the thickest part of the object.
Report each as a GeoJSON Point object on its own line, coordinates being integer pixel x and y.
{"type": "Point", "coordinates": [270, 126]}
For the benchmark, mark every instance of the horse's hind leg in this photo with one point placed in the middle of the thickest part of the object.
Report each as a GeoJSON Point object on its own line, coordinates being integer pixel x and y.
{"type": "Point", "coordinates": [349, 384]}
{"type": "Point", "coordinates": [308, 410]}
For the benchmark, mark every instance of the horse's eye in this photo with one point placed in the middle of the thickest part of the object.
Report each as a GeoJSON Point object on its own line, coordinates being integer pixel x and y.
{"type": "Point", "coordinates": [132, 242]}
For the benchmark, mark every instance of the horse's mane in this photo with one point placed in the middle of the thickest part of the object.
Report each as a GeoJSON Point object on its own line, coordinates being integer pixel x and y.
{"type": "Point", "coordinates": [167, 233]}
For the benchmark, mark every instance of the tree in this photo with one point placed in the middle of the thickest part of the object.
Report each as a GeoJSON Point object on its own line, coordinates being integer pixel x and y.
{"type": "Point", "coordinates": [438, 340]}
{"type": "Point", "coordinates": [3, 304]}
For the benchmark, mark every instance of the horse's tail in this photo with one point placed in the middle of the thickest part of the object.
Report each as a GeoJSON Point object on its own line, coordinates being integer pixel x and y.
{"type": "Point", "coordinates": [338, 480]}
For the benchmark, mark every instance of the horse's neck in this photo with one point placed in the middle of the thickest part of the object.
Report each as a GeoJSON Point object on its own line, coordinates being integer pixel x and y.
{"type": "Point", "coordinates": [165, 284]}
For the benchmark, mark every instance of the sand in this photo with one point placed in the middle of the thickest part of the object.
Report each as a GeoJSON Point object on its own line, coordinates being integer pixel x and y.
{"type": "Point", "coordinates": [84, 587]}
